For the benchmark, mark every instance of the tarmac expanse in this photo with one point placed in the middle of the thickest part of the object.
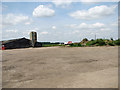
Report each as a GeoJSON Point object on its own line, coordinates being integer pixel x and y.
{"type": "Point", "coordinates": [60, 67]}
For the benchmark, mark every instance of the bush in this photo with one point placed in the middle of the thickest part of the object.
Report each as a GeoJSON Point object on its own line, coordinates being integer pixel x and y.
{"type": "Point", "coordinates": [111, 44]}
{"type": "Point", "coordinates": [100, 42]}
{"type": "Point", "coordinates": [75, 45]}
{"type": "Point", "coordinates": [117, 42]}
{"type": "Point", "coordinates": [97, 44]}
{"type": "Point", "coordinates": [80, 45]}
{"type": "Point", "coordinates": [91, 43]}
{"type": "Point", "coordinates": [92, 39]}
{"type": "Point", "coordinates": [111, 39]}
{"type": "Point", "coordinates": [85, 39]}
{"type": "Point", "coordinates": [72, 45]}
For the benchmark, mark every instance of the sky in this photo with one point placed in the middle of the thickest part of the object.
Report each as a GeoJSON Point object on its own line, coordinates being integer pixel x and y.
{"type": "Point", "coordinates": [60, 21]}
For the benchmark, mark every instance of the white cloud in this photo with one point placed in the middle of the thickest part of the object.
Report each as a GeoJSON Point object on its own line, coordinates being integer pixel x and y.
{"type": "Point", "coordinates": [12, 19]}
{"type": "Point", "coordinates": [105, 29]}
{"type": "Point", "coordinates": [82, 25]}
{"type": "Point", "coordinates": [76, 31]}
{"type": "Point", "coordinates": [49, 5]}
{"type": "Point", "coordinates": [98, 25]}
{"type": "Point", "coordinates": [114, 24]}
{"type": "Point", "coordinates": [34, 30]}
{"type": "Point", "coordinates": [99, 0]}
{"type": "Point", "coordinates": [96, 12]}
{"type": "Point", "coordinates": [62, 3]}
{"type": "Point", "coordinates": [43, 33]}
{"type": "Point", "coordinates": [87, 26]}
{"type": "Point", "coordinates": [43, 11]}
{"type": "Point", "coordinates": [27, 23]}
{"type": "Point", "coordinates": [54, 27]}
{"type": "Point", "coordinates": [11, 31]}
{"type": "Point", "coordinates": [87, 0]}
{"type": "Point", "coordinates": [0, 21]}
{"type": "Point", "coordinates": [3, 7]}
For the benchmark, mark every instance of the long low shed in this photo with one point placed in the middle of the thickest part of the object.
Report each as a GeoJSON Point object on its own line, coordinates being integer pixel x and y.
{"type": "Point", "coordinates": [19, 43]}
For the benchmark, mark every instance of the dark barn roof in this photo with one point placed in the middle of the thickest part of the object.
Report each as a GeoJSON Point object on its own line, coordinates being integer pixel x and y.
{"type": "Point", "coordinates": [17, 43]}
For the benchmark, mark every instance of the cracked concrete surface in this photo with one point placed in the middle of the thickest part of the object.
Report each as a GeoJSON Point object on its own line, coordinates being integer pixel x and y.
{"type": "Point", "coordinates": [60, 67]}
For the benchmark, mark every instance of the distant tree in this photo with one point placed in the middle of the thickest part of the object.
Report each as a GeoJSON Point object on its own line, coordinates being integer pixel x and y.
{"type": "Point", "coordinates": [72, 45]}
{"type": "Point", "coordinates": [79, 44]}
{"type": "Point", "coordinates": [100, 42]}
{"type": "Point", "coordinates": [111, 39]}
{"type": "Point", "coordinates": [117, 42]}
{"type": "Point", "coordinates": [111, 44]}
{"type": "Point", "coordinates": [92, 39]}
{"type": "Point", "coordinates": [85, 39]}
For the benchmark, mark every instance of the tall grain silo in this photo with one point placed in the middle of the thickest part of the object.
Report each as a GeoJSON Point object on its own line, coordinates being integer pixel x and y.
{"type": "Point", "coordinates": [33, 38]}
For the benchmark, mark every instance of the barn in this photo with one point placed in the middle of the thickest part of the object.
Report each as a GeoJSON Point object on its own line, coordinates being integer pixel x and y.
{"type": "Point", "coordinates": [19, 43]}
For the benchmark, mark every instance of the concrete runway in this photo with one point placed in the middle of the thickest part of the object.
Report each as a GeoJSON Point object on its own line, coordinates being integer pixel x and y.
{"type": "Point", "coordinates": [60, 67]}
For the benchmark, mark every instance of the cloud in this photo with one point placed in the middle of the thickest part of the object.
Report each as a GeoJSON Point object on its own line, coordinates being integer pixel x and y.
{"type": "Point", "coordinates": [87, 26]}
{"type": "Point", "coordinates": [102, 30]}
{"type": "Point", "coordinates": [105, 29]}
{"type": "Point", "coordinates": [98, 25]}
{"type": "Point", "coordinates": [62, 3]}
{"type": "Point", "coordinates": [89, 2]}
{"type": "Point", "coordinates": [54, 27]}
{"type": "Point", "coordinates": [3, 7]}
{"type": "Point", "coordinates": [75, 32]}
{"type": "Point", "coordinates": [0, 21]}
{"type": "Point", "coordinates": [27, 23]}
{"type": "Point", "coordinates": [11, 31]}
{"type": "Point", "coordinates": [43, 33]}
{"type": "Point", "coordinates": [31, 30]}
{"type": "Point", "coordinates": [43, 11]}
{"type": "Point", "coordinates": [12, 19]}
{"type": "Point", "coordinates": [114, 24]}
{"type": "Point", "coordinates": [93, 1]}
{"type": "Point", "coordinates": [96, 12]}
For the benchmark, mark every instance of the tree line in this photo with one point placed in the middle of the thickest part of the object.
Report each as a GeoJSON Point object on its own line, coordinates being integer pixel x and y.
{"type": "Point", "coordinates": [97, 42]}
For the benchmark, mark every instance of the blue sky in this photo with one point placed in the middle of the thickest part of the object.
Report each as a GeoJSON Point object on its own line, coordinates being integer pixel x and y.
{"type": "Point", "coordinates": [60, 21]}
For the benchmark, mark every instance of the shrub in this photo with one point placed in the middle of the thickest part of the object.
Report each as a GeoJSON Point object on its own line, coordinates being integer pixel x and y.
{"type": "Point", "coordinates": [85, 39]}
{"type": "Point", "coordinates": [100, 42]}
{"type": "Point", "coordinates": [72, 45]}
{"type": "Point", "coordinates": [91, 43]}
{"type": "Point", "coordinates": [117, 42]}
{"type": "Point", "coordinates": [80, 45]}
{"type": "Point", "coordinates": [111, 44]}
{"type": "Point", "coordinates": [92, 39]}
{"type": "Point", "coordinates": [75, 45]}
{"type": "Point", "coordinates": [111, 39]}
{"type": "Point", "coordinates": [97, 44]}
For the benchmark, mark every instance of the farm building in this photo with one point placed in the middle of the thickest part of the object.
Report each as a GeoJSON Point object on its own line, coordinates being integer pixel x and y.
{"type": "Point", "coordinates": [22, 42]}
{"type": "Point", "coordinates": [19, 43]}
